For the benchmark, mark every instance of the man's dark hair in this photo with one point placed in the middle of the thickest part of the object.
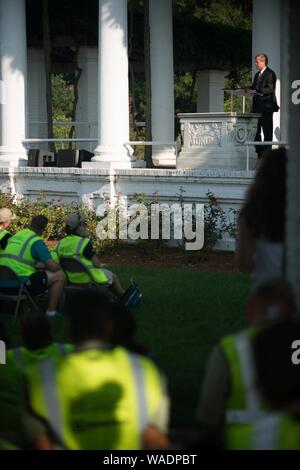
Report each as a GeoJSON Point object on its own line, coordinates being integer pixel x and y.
{"type": "Point", "coordinates": [70, 231]}
{"type": "Point", "coordinates": [275, 294]}
{"type": "Point", "coordinates": [124, 329]}
{"type": "Point", "coordinates": [35, 330]}
{"type": "Point", "coordinates": [278, 379]}
{"type": "Point", "coordinates": [89, 314]}
{"type": "Point", "coordinates": [38, 224]}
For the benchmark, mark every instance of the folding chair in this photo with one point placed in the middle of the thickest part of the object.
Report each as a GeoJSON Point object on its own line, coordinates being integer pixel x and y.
{"type": "Point", "coordinates": [75, 266]}
{"type": "Point", "coordinates": [7, 274]}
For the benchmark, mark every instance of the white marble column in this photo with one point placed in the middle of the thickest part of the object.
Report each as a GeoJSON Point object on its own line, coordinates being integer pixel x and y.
{"type": "Point", "coordinates": [13, 70]}
{"type": "Point", "coordinates": [210, 93]}
{"type": "Point", "coordinates": [113, 89]}
{"type": "Point", "coordinates": [162, 80]}
{"type": "Point", "coordinates": [267, 38]}
{"type": "Point", "coordinates": [87, 105]}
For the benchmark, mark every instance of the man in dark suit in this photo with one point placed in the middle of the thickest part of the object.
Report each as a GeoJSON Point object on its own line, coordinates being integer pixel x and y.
{"type": "Point", "coordinates": [264, 101]}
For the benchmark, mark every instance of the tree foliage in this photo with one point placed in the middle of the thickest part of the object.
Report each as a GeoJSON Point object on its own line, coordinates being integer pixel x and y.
{"type": "Point", "coordinates": [62, 96]}
{"type": "Point", "coordinates": [208, 34]}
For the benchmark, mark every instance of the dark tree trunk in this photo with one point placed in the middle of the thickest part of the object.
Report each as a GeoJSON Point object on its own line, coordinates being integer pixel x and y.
{"type": "Point", "coordinates": [78, 72]}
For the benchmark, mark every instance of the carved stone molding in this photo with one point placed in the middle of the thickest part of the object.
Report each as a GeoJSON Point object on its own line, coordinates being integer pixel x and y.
{"type": "Point", "coordinates": [203, 134]}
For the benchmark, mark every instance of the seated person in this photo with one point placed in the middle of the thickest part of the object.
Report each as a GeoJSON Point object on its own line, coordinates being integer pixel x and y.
{"type": "Point", "coordinates": [37, 341]}
{"type": "Point", "coordinates": [228, 399]}
{"type": "Point", "coordinates": [6, 217]}
{"type": "Point", "coordinates": [11, 385]}
{"type": "Point", "coordinates": [77, 245]}
{"type": "Point", "coordinates": [28, 256]}
{"type": "Point", "coordinates": [109, 398]}
{"type": "Point", "coordinates": [277, 380]}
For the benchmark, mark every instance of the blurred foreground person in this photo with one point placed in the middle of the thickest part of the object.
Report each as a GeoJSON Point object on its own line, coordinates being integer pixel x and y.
{"type": "Point", "coordinates": [37, 341]}
{"type": "Point", "coordinates": [37, 346]}
{"type": "Point", "coordinates": [276, 358]}
{"type": "Point", "coordinates": [100, 396]}
{"type": "Point", "coordinates": [261, 229]}
{"type": "Point", "coordinates": [229, 399]}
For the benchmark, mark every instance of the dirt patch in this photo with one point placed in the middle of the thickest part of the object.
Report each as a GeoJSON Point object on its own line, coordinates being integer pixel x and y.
{"type": "Point", "coordinates": [217, 261]}
{"type": "Point", "coordinates": [170, 258]}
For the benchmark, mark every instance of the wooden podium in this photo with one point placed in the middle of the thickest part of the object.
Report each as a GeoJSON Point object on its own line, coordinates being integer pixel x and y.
{"type": "Point", "coordinates": [243, 92]}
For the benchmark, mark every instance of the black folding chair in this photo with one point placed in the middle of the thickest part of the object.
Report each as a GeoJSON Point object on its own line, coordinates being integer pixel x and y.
{"type": "Point", "coordinates": [75, 266]}
{"type": "Point", "coordinates": [7, 274]}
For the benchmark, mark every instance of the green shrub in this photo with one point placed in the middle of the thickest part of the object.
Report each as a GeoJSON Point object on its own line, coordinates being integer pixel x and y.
{"type": "Point", "coordinates": [56, 212]}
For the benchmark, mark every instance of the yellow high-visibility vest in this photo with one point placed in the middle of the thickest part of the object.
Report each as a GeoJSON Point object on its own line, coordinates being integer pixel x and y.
{"type": "Point", "coordinates": [97, 398]}
{"type": "Point", "coordinates": [17, 254]}
{"type": "Point", "coordinates": [243, 405]}
{"type": "Point", "coordinates": [72, 246]}
{"type": "Point", "coordinates": [277, 431]}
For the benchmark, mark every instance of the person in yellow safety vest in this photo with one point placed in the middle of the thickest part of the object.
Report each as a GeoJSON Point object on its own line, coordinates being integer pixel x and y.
{"type": "Point", "coordinates": [37, 346]}
{"type": "Point", "coordinates": [6, 217]}
{"type": "Point", "coordinates": [37, 341]}
{"type": "Point", "coordinates": [78, 245]}
{"type": "Point", "coordinates": [228, 397]}
{"type": "Point", "coordinates": [28, 256]}
{"type": "Point", "coordinates": [276, 355]}
{"type": "Point", "coordinates": [11, 384]}
{"type": "Point", "coordinates": [100, 396]}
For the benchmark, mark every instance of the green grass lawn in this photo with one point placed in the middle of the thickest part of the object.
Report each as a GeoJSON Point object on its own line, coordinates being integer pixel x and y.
{"type": "Point", "coordinates": [183, 314]}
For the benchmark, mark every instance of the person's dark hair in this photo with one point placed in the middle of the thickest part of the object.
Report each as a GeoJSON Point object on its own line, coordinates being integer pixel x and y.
{"type": "Point", "coordinates": [274, 299]}
{"type": "Point", "coordinates": [89, 315]}
{"type": "Point", "coordinates": [35, 330]}
{"type": "Point", "coordinates": [38, 224]}
{"type": "Point", "coordinates": [278, 379]}
{"type": "Point", "coordinates": [264, 208]}
{"type": "Point", "coordinates": [124, 329]}
{"type": "Point", "coordinates": [70, 231]}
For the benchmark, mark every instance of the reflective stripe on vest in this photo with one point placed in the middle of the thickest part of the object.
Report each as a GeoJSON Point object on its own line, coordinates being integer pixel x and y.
{"type": "Point", "coordinates": [17, 254]}
{"type": "Point", "coordinates": [139, 377]}
{"type": "Point", "coordinates": [265, 433]}
{"type": "Point", "coordinates": [61, 349]}
{"type": "Point", "coordinates": [19, 257]}
{"type": "Point", "coordinates": [252, 411]}
{"type": "Point", "coordinates": [72, 247]}
{"type": "Point", "coordinates": [50, 394]}
{"type": "Point", "coordinates": [49, 390]}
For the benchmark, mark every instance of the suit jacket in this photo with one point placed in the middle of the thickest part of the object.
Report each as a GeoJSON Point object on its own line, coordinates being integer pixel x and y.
{"type": "Point", "coordinates": [264, 84]}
